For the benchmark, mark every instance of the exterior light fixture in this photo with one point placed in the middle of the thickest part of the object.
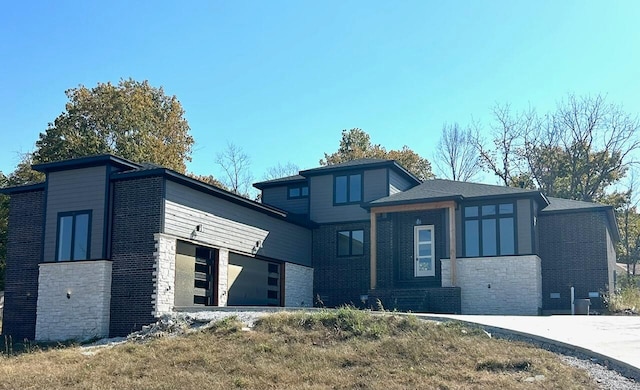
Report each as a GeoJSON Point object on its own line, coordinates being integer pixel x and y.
{"type": "Point", "coordinates": [418, 221]}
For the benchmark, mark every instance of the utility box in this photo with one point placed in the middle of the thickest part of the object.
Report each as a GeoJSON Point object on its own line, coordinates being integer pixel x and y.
{"type": "Point", "coordinates": [582, 306]}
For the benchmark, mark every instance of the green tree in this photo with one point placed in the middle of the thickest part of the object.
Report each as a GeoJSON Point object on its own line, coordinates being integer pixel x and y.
{"type": "Point", "coordinates": [356, 144]}
{"type": "Point", "coordinates": [131, 119]}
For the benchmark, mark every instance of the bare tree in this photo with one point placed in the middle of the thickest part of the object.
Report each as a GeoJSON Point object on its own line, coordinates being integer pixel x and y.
{"type": "Point", "coordinates": [281, 170]}
{"type": "Point", "coordinates": [504, 157]}
{"type": "Point", "coordinates": [235, 164]}
{"type": "Point", "coordinates": [456, 157]}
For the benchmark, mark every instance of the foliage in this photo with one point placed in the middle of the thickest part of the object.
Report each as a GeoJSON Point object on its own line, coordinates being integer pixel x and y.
{"type": "Point", "coordinates": [356, 144]}
{"type": "Point", "coordinates": [627, 298]}
{"type": "Point", "coordinates": [209, 179]}
{"type": "Point", "coordinates": [456, 158]}
{"type": "Point", "coordinates": [577, 151]}
{"type": "Point", "coordinates": [131, 119]}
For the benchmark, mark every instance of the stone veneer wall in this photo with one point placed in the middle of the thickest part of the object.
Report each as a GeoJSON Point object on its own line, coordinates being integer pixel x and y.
{"type": "Point", "coordinates": [298, 285]}
{"type": "Point", "coordinates": [24, 252]}
{"type": "Point", "coordinates": [223, 276]}
{"type": "Point", "coordinates": [73, 300]}
{"type": "Point", "coordinates": [508, 285]}
{"type": "Point", "coordinates": [164, 274]}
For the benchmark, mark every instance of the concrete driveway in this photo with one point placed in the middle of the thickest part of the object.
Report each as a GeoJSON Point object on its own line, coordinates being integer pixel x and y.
{"type": "Point", "coordinates": [614, 338]}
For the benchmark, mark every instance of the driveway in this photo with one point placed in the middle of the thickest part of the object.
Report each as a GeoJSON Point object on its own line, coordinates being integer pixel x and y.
{"type": "Point", "coordinates": [614, 337]}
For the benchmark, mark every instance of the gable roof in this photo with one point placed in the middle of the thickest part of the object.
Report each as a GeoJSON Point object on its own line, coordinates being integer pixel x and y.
{"type": "Point", "coordinates": [441, 189]}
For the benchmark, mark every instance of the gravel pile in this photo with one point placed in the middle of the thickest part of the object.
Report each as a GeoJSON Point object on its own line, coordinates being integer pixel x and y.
{"type": "Point", "coordinates": [605, 378]}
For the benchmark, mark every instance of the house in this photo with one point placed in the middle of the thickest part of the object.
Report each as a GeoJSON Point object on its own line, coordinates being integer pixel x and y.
{"type": "Point", "coordinates": [105, 246]}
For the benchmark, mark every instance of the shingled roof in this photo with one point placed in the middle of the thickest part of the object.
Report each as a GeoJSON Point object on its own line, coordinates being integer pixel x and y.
{"type": "Point", "coordinates": [441, 189]}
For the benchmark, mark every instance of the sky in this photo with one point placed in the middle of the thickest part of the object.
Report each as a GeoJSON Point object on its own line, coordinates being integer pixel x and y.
{"type": "Point", "coordinates": [282, 79]}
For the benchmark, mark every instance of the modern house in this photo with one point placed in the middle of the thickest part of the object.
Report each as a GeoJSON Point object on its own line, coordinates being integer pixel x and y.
{"type": "Point", "coordinates": [105, 246]}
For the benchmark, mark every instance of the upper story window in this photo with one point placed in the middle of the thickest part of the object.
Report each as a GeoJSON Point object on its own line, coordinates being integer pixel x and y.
{"type": "Point", "coordinates": [489, 230]}
{"type": "Point", "coordinates": [351, 243]}
{"type": "Point", "coordinates": [298, 191]}
{"type": "Point", "coordinates": [73, 236]}
{"type": "Point", "coordinates": [347, 188]}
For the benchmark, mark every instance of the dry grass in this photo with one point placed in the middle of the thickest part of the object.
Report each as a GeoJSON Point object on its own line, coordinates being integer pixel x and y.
{"type": "Point", "coordinates": [344, 349]}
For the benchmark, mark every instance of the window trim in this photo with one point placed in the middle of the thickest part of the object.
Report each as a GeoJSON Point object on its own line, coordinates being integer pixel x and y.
{"type": "Point", "coordinates": [348, 194]}
{"type": "Point", "coordinates": [73, 214]}
{"type": "Point", "coordinates": [299, 187]}
{"type": "Point", "coordinates": [350, 242]}
{"type": "Point", "coordinates": [416, 242]}
{"type": "Point", "coordinates": [496, 217]}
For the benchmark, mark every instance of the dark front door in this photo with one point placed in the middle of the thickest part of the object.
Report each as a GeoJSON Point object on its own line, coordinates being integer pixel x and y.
{"type": "Point", "coordinates": [205, 277]}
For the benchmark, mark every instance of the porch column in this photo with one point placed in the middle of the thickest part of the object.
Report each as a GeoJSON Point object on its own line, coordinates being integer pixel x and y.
{"type": "Point", "coordinates": [452, 243]}
{"type": "Point", "coordinates": [373, 253]}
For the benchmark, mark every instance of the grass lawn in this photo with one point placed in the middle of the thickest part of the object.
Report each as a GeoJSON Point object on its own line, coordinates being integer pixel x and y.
{"type": "Point", "coordinates": [341, 349]}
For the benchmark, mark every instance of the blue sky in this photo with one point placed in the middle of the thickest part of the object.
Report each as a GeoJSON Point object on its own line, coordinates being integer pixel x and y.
{"type": "Point", "coordinates": [281, 79]}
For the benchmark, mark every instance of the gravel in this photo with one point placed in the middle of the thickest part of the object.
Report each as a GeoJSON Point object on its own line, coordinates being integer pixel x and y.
{"type": "Point", "coordinates": [183, 323]}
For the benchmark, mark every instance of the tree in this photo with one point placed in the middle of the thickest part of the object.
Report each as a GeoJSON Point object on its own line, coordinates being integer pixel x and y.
{"type": "Point", "coordinates": [456, 157]}
{"type": "Point", "coordinates": [235, 164]}
{"type": "Point", "coordinates": [504, 157]}
{"type": "Point", "coordinates": [356, 144]}
{"type": "Point", "coordinates": [132, 119]}
{"type": "Point", "coordinates": [281, 170]}
{"type": "Point", "coordinates": [209, 179]}
{"type": "Point", "coordinates": [582, 148]}
{"type": "Point", "coordinates": [576, 151]}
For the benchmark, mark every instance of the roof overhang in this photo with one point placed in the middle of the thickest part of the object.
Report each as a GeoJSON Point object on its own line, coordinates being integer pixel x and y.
{"type": "Point", "coordinates": [24, 188]}
{"type": "Point", "coordinates": [85, 162]}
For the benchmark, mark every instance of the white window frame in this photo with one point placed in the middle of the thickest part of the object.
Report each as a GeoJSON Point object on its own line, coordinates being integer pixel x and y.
{"type": "Point", "coordinates": [416, 244]}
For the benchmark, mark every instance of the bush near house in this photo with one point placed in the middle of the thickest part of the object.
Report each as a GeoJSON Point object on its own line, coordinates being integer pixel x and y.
{"type": "Point", "coordinates": [341, 349]}
{"type": "Point", "coordinates": [626, 299]}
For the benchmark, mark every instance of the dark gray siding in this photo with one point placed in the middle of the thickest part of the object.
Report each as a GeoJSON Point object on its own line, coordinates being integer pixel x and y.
{"type": "Point", "coordinates": [397, 183]}
{"type": "Point", "coordinates": [24, 251]}
{"type": "Point", "coordinates": [229, 225]}
{"type": "Point", "coordinates": [524, 226]}
{"type": "Point", "coordinates": [573, 250]}
{"type": "Point", "coordinates": [277, 197]}
{"type": "Point", "coordinates": [137, 216]}
{"type": "Point", "coordinates": [322, 209]}
{"type": "Point", "coordinates": [73, 190]}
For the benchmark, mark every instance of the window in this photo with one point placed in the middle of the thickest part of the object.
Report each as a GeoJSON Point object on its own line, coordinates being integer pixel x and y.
{"type": "Point", "coordinates": [73, 236]}
{"type": "Point", "coordinates": [424, 251]}
{"type": "Point", "coordinates": [351, 243]}
{"type": "Point", "coordinates": [489, 230]}
{"type": "Point", "coordinates": [299, 191]}
{"type": "Point", "coordinates": [347, 188]}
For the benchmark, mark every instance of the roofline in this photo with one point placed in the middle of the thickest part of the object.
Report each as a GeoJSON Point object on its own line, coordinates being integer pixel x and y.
{"type": "Point", "coordinates": [370, 205]}
{"type": "Point", "coordinates": [23, 188]}
{"type": "Point", "coordinates": [460, 198]}
{"type": "Point", "coordinates": [377, 164]}
{"type": "Point", "coordinates": [269, 183]}
{"type": "Point", "coordinates": [207, 188]}
{"type": "Point", "coordinates": [82, 162]}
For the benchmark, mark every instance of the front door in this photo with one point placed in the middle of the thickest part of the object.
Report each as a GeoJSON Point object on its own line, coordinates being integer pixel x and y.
{"type": "Point", "coordinates": [424, 255]}
{"type": "Point", "coordinates": [205, 280]}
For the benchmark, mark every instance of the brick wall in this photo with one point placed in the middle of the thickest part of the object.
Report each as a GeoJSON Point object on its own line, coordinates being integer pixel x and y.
{"type": "Point", "coordinates": [573, 249]}
{"type": "Point", "coordinates": [137, 217]}
{"type": "Point", "coordinates": [84, 313]}
{"type": "Point", "coordinates": [298, 285]}
{"type": "Point", "coordinates": [426, 300]}
{"type": "Point", "coordinates": [339, 280]}
{"type": "Point", "coordinates": [24, 252]}
{"type": "Point", "coordinates": [506, 285]}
